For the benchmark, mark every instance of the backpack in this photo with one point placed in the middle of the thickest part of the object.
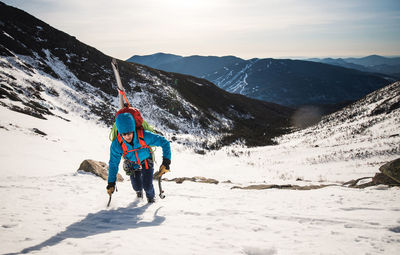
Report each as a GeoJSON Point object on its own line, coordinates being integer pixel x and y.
{"type": "Point", "coordinates": [137, 116]}
{"type": "Point", "coordinates": [140, 125]}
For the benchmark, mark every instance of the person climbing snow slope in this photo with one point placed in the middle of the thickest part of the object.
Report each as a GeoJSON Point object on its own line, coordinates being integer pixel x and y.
{"type": "Point", "coordinates": [133, 143]}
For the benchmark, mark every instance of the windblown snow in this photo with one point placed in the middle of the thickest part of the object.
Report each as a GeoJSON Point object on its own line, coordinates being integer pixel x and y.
{"type": "Point", "coordinates": [47, 207]}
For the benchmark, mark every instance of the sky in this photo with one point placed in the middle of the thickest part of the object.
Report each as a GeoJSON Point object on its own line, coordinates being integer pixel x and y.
{"type": "Point", "coordinates": [243, 28]}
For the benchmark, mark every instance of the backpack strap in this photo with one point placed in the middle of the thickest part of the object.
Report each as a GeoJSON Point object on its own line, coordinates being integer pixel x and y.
{"type": "Point", "coordinates": [123, 145]}
{"type": "Point", "coordinates": [143, 145]}
{"type": "Point", "coordinates": [139, 132]}
{"type": "Point", "coordinates": [122, 92]}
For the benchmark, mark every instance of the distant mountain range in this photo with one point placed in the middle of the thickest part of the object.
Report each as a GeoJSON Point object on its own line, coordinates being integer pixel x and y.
{"type": "Point", "coordinates": [194, 65]}
{"type": "Point", "coordinates": [283, 81]}
{"type": "Point", "coordinates": [373, 64]}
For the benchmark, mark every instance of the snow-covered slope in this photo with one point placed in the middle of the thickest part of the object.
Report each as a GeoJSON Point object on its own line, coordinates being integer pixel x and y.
{"type": "Point", "coordinates": [235, 80]}
{"type": "Point", "coordinates": [348, 144]}
{"type": "Point", "coordinates": [49, 208]}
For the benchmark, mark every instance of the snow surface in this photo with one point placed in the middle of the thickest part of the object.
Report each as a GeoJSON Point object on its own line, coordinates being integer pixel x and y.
{"type": "Point", "coordinates": [49, 208]}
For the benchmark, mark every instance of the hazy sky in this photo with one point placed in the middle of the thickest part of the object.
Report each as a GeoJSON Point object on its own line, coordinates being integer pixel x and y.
{"type": "Point", "coordinates": [244, 28]}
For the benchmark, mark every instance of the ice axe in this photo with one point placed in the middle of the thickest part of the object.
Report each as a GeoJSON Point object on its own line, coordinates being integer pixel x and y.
{"type": "Point", "coordinates": [109, 200]}
{"type": "Point", "coordinates": [162, 196]}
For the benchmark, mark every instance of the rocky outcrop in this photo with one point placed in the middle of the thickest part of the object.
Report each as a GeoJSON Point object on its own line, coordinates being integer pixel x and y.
{"type": "Point", "coordinates": [37, 131]}
{"type": "Point", "coordinates": [389, 175]}
{"type": "Point", "coordinates": [97, 168]}
{"type": "Point", "coordinates": [392, 170]}
{"type": "Point", "coordinates": [381, 178]}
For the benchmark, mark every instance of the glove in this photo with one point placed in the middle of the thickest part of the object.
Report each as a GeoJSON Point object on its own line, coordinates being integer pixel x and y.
{"type": "Point", "coordinates": [110, 188]}
{"type": "Point", "coordinates": [165, 162]}
{"type": "Point", "coordinates": [164, 168]}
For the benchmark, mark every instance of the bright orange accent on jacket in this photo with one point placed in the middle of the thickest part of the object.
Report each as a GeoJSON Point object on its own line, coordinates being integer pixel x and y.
{"type": "Point", "coordinates": [142, 143]}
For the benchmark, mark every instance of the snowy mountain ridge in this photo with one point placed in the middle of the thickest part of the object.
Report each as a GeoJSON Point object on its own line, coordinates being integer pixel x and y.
{"type": "Point", "coordinates": [33, 55]}
{"type": "Point", "coordinates": [380, 108]}
{"type": "Point", "coordinates": [373, 64]}
{"type": "Point", "coordinates": [41, 95]}
{"type": "Point", "coordinates": [287, 82]}
{"type": "Point", "coordinates": [295, 82]}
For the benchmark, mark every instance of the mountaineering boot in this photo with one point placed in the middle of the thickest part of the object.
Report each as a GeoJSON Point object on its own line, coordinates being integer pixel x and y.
{"type": "Point", "coordinates": [151, 200]}
{"type": "Point", "coordinates": [139, 194]}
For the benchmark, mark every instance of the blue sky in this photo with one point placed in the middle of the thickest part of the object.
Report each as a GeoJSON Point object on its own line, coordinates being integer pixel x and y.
{"type": "Point", "coordinates": [244, 28]}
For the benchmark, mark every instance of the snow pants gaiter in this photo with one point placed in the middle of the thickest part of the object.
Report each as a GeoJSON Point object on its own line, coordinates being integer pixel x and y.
{"type": "Point", "coordinates": [141, 178]}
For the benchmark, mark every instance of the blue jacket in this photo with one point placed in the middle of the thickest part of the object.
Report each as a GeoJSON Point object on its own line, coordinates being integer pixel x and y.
{"type": "Point", "coordinates": [124, 125]}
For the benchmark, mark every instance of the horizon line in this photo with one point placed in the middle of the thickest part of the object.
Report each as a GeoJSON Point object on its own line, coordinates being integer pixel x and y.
{"type": "Point", "coordinates": [277, 57]}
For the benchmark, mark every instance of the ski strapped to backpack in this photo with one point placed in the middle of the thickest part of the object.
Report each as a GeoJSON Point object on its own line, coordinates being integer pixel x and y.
{"type": "Point", "coordinates": [121, 92]}
{"type": "Point", "coordinates": [140, 123]}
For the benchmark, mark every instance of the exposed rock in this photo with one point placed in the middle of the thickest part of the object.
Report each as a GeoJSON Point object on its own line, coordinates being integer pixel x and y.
{"type": "Point", "coordinates": [390, 175]}
{"type": "Point", "coordinates": [199, 179]}
{"type": "Point", "coordinates": [395, 229]}
{"type": "Point", "coordinates": [378, 179]}
{"type": "Point", "coordinates": [205, 180]}
{"type": "Point", "coordinates": [381, 178]}
{"type": "Point", "coordinates": [286, 186]}
{"type": "Point", "coordinates": [199, 151]}
{"type": "Point", "coordinates": [392, 170]}
{"type": "Point", "coordinates": [37, 131]}
{"type": "Point", "coordinates": [98, 168]}
{"type": "Point", "coordinates": [27, 111]}
{"type": "Point", "coordinates": [355, 183]}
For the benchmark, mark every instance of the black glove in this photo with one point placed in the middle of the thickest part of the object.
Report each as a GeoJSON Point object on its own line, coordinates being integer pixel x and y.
{"type": "Point", "coordinates": [166, 162]}
{"type": "Point", "coordinates": [110, 188]}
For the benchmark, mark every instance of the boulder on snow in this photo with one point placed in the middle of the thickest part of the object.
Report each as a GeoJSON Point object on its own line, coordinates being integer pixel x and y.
{"type": "Point", "coordinates": [98, 168]}
{"type": "Point", "coordinates": [392, 170]}
{"type": "Point", "coordinates": [381, 178]}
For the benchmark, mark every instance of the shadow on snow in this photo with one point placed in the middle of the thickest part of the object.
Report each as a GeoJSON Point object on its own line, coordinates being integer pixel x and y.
{"type": "Point", "coordinates": [102, 222]}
